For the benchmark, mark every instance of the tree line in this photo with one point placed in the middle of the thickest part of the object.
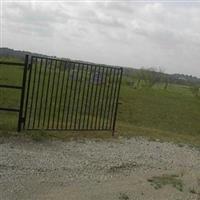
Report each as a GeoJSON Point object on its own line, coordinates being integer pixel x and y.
{"type": "Point", "coordinates": [149, 77]}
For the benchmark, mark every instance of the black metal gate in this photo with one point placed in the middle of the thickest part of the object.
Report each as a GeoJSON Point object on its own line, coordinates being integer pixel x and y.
{"type": "Point", "coordinates": [68, 95]}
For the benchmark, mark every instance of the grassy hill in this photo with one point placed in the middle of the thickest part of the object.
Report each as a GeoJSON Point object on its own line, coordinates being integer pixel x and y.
{"type": "Point", "coordinates": [171, 114]}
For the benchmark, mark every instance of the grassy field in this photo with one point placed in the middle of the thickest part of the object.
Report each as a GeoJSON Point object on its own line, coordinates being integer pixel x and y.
{"type": "Point", "coordinates": [171, 114]}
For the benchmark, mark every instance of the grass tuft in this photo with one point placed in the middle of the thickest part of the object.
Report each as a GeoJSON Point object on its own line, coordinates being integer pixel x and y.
{"type": "Point", "coordinates": [159, 181]}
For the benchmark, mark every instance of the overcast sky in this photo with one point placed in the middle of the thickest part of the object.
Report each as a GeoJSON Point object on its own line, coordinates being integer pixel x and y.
{"type": "Point", "coordinates": [126, 33]}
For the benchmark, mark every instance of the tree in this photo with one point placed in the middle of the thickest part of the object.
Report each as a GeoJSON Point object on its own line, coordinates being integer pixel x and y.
{"type": "Point", "coordinates": [195, 90]}
{"type": "Point", "coordinates": [149, 77]}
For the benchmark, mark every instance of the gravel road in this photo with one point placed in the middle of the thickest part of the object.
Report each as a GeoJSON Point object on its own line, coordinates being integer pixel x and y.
{"type": "Point", "coordinates": [118, 169]}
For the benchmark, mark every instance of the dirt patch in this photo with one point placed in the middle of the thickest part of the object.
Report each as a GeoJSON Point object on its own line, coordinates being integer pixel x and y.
{"type": "Point", "coordinates": [120, 167]}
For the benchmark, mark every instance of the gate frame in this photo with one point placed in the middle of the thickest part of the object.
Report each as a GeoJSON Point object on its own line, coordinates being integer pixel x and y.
{"type": "Point", "coordinates": [117, 103]}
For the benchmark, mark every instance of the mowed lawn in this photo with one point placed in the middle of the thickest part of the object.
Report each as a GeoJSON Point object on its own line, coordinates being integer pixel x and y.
{"type": "Point", "coordinates": [172, 114]}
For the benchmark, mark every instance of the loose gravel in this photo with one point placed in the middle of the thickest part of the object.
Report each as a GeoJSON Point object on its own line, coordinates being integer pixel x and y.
{"type": "Point", "coordinates": [91, 169]}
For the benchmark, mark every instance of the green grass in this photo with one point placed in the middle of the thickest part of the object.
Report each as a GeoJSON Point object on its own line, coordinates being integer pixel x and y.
{"type": "Point", "coordinates": [160, 113]}
{"type": "Point", "coordinates": [160, 109]}
{"type": "Point", "coordinates": [160, 181]}
{"type": "Point", "coordinates": [171, 114]}
{"type": "Point", "coordinates": [10, 75]}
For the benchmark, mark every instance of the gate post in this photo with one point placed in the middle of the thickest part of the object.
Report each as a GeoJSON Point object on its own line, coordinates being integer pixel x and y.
{"type": "Point", "coordinates": [20, 117]}
{"type": "Point", "coordinates": [117, 103]}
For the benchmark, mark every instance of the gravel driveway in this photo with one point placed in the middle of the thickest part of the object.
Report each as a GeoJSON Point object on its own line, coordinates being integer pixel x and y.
{"type": "Point", "coordinates": [119, 169]}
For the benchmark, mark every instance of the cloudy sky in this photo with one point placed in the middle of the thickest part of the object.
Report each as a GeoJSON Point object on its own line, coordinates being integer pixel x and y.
{"type": "Point", "coordinates": [162, 34]}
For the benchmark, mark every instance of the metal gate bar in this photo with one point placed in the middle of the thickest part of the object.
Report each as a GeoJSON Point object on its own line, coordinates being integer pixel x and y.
{"type": "Point", "coordinates": [69, 95]}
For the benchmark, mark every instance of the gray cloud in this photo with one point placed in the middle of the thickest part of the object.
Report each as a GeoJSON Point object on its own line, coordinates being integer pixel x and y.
{"type": "Point", "coordinates": [33, 19]}
{"type": "Point", "coordinates": [121, 33]}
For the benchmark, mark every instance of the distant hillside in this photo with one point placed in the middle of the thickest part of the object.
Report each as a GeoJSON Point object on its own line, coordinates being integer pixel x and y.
{"type": "Point", "coordinates": [6, 52]}
{"type": "Point", "coordinates": [173, 78]}
{"type": "Point", "coordinates": [181, 79]}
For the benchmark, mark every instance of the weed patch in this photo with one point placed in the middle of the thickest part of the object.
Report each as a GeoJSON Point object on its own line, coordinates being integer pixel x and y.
{"type": "Point", "coordinates": [160, 181]}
